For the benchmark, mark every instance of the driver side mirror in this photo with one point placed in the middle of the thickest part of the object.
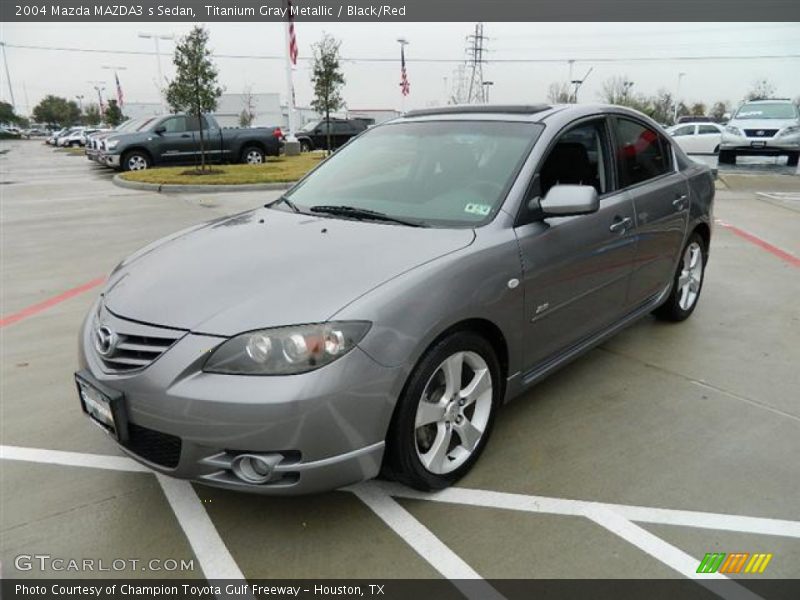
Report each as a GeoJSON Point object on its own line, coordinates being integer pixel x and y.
{"type": "Point", "coordinates": [159, 130]}
{"type": "Point", "coordinates": [566, 200]}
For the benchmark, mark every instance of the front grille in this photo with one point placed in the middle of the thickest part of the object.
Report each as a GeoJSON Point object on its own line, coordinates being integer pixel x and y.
{"type": "Point", "coordinates": [157, 447]}
{"type": "Point", "coordinates": [135, 346]}
{"type": "Point", "coordinates": [136, 352]}
{"type": "Point", "coordinates": [759, 133]}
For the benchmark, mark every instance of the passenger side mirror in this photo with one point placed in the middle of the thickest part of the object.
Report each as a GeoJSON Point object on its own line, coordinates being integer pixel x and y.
{"type": "Point", "coordinates": [565, 200]}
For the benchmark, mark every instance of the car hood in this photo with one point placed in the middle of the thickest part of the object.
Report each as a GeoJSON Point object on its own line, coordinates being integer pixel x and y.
{"type": "Point", "coordinates": [267, 268]}
{"type": "Point", "coordinates": [763, 123]}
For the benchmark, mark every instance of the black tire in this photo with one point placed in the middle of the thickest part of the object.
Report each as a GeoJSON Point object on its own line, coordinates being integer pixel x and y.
{"type": "Point", "coordinates": [305, 146]}
{"type": "Point", "coordinates": [673, 309]}
{"type": "Point", "coordinates": [727, 157]}
{"type": "Point", "coordinates": [253, 155]}
{"type": "Point", "coordinates": [792, 159]}
{"type": "Point", "coordinates": [402, 461]}
{"type": "Point", "coordinates": [716, 149]}
{"type": "Point", "coordinates": [130, 160]}
{"type": "Point", "coordinates": [74, 144]}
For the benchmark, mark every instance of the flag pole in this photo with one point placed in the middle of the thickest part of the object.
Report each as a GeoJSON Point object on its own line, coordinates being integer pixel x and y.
{"type": "Point", "coordinates": [403, 91]}
{"type": "Point", "coordinates": [289, 78]}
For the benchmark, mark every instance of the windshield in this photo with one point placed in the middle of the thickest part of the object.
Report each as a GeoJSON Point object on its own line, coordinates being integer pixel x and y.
{"type": "Point", "coordinates": [767, 110]}
{"type": "Point", "coordinates": [445, 173]}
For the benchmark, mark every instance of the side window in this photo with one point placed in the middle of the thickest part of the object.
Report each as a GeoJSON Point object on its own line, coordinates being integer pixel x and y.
{"type": "Point", "coordinates": [193, 123]}
{"type": "Point", "coordinates": [580, 156]}
{"type": "Point", "coordinates": [641, 153]}
{"type": "Point", "coordinates": [708, 129]}
{"type": "Point", "coordinates": [175, 125]}
{"type": "Point", "coordinates": [685, 130]}
{"type": "Point", "coordinates": [341, 128]}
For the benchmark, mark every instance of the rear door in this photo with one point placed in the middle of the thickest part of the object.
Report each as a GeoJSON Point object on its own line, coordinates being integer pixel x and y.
{"type": "Point", "coordinates": [576, 268]}
{"type": "Point", "coordinates": [646, 168]}
{"type": "Point", "coordinates": [708, 139]}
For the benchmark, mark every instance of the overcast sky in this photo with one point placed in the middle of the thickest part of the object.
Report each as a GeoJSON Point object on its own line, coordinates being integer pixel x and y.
{"type": "Point", "coordinates": [36, 72]}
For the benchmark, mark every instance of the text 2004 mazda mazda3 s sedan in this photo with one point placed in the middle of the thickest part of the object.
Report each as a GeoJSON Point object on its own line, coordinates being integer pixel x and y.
{"type": "Point", "coordinates": [377, 316]}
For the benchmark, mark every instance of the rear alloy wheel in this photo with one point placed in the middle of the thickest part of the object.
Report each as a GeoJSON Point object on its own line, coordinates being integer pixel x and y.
{"type": "Point", "coordinates": [445, 415]}
{"type": "Point", "coordinates": [687, 284]}
{"type": "Point", "coordinates": [253, 156]}
{"type": "Point", "coordinates": [305, 147]}
{"type": "Point", "coordinates": [136, 161]}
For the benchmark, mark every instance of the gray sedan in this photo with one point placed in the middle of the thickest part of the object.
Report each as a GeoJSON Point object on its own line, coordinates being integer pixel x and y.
{"type": "Point", "coordinates": [376, 317]}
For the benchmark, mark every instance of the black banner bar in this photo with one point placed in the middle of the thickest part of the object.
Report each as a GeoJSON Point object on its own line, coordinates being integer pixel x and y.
{"type": "Point", "coordinates": [399, 10]}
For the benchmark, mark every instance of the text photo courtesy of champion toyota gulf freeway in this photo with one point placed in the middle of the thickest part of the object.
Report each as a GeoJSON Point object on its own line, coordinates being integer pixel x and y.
{"type": "Point", "coordinates": [483, 300]}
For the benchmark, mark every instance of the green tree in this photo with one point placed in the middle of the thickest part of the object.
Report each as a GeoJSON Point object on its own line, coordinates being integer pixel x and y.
{"type": "Point", "coordinates": [327, 79]}
{"type": "Point", "coordinates": [662, 106]}
{"type": "Point", "coordinates": [7, 114]}
{"type": "Point", "coordinates": [55, 110]}
{"type": "Point", "coordinates": [761, 89]}
{"type": "Point", "coordinates": [91, 115]}
{"type": "Point", "coordinates": [113, 114]}
{"type": "Point", "coordinates": [194, 89]}
{"type": "Point", "coordinates": [698, 108]}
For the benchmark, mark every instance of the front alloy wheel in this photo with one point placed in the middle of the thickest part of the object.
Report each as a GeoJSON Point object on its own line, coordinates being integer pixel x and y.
{"type": "Point", "coordinates": [136, 162]}
{"type": "Point", "coordinates": [444, 416]}
{"type": "Point", "coordinates": [453, 412]}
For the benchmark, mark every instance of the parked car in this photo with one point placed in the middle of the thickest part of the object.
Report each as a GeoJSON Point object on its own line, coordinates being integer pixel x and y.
{"type": "Point", "coordinates": [262, 352]}
{"type": "Point", "coordinates": [697, 138]}
{"type": "Point", "coordinates": [95, 140]}
{"type": "Point", "coordinates": [763, 128]}
{"type": "Point", "coordinates": [175, 139]}
{"type": "Point", "coordinates": [75, 137]}
{"type": "Point", "coordinates": [8, 133]}
{"type": "Point", "coordinates": [694, 119]}
{"type": "Point", "coordinates": [314, 135]}
{"type": "Point", "coordinates": [35, 132]}
{"type": "Point", "coordinates": [53, 139]}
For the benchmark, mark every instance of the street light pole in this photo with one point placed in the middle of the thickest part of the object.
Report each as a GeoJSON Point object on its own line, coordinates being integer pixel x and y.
{"type": "Point", "coordinates": [155, 37]}
{"type": "Point", "coordinates": [8, 76]}
{"type": "Point", "coordinates": [487, 85]}
{"type": "Point", "coordinates": [80, 102]}
{"type": "Point", "coordinates": [677, 95]}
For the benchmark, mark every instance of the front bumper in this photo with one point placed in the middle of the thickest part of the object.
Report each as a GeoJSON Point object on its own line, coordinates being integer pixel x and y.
{"type": "Point", "coordinates": [110, 160]}
{"type": "Point", "coordinates": [323, 429]}
{"type": "Point", "coordinates": [758, 146]}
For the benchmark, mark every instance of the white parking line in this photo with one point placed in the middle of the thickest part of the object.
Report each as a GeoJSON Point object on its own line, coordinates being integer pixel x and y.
{"type": "Point", "coordinates": [564, 506]}
{"type": "Point", "coordinates": [71, 459]}
{"type": "Point", "coordinates": [217, 562]}
{"type": "Point", "coordinates": [424, 543]}
{"type": "Point", "coordinates": [668, 554]}
{"type": "Point", "coordinates": [211, 552]}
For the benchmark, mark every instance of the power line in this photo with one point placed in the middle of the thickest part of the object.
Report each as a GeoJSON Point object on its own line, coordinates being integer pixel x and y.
{"type": "Point", "coordinates": [428, 60]}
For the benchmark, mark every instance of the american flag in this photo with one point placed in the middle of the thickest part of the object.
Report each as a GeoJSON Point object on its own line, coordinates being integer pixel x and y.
{"type": "Point", "coordinates": [292, 36]}
{"type": "Point", "coordinates": [405, 87]}
{"type": "Point", "coordinates": [120, 97]}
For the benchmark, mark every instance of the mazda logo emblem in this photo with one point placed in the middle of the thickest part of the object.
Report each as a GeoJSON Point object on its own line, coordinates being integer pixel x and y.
{"type": "Point", "coordinates": [105, 341]}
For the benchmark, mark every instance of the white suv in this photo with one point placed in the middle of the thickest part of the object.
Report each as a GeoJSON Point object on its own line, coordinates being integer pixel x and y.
{"type": "Point", "coordinates": [762, 128]}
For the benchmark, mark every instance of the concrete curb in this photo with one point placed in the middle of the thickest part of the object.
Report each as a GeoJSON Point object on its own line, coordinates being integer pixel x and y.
{"type": "Point", "coordinates": [197, 189]}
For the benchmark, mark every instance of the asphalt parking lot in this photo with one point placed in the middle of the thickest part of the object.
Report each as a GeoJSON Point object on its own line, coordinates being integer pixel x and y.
{"type": "Point", "coordinates": [663, 444]}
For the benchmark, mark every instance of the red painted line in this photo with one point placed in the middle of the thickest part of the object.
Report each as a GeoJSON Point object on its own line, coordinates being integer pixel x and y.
{"type": "Point", "coordinates": [764, 245]}
{"type": "Point", "coordinates": [50, 302]}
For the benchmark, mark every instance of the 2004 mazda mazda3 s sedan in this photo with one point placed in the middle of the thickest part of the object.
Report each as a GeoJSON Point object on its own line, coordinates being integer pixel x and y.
{"type": "Point", "coordinates": [376, 317]}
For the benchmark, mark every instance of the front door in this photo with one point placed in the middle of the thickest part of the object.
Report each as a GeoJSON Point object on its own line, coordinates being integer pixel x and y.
{"type": "Point", "coordinates": [575, 269]}
{"type": "Point", "coordinates": [176, 143]}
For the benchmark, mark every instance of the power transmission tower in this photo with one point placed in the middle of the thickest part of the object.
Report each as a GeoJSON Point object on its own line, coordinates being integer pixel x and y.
{"type": "Point", "coordinates": [476, 48]}
{"type": "Point", "coordinates": [458, 88]}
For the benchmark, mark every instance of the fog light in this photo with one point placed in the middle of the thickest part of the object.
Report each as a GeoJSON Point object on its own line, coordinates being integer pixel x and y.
{"type": "Point", "coordinates": [252, 468]}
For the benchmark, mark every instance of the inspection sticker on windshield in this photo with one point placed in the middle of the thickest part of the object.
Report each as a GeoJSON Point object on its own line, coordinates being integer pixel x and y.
{"type": "Point", "coordinates": [477, 209]}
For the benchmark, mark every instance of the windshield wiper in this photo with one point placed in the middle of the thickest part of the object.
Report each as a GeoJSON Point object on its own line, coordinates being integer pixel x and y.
{"type": "Point", "coordinates": [363, 213]}
{"type": "Point", "coordinates": [286, 201]}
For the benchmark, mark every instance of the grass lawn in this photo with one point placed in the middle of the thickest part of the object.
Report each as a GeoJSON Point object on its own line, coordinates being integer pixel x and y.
{"type": "Point", "coordinates": [275, 170]}
{"type": "Point", "coordinates": [72, 151]}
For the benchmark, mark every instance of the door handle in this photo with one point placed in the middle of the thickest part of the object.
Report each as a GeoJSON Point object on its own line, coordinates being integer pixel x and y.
{"type": "Point", "coordinates": [678, 202]}
{"type": "Point", "coordinates": [620, 225]}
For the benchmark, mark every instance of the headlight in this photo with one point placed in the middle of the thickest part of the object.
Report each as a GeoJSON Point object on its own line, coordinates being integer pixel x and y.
{"type": "Point", "coordinates": [793, 130]}
{"type": "Point", "coordinates": [112, 144]}
{"type": "Point", "coordinates": [733, 130]}
{"type": "Point", "coordinates": [286, 350]}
